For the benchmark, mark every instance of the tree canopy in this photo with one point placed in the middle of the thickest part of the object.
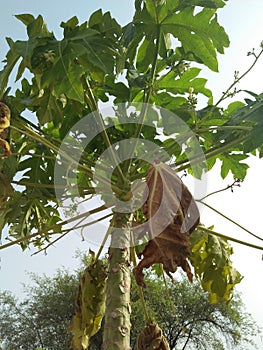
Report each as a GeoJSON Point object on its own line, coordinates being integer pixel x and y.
{"type": "Point", "coordinates": [61, 148]}
{"type": "Point", "coordinates": [41, 319]}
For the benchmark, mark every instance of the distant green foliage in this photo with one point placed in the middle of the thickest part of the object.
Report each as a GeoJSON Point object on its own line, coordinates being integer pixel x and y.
{"type": "Point", "coordinates": [42, 317]}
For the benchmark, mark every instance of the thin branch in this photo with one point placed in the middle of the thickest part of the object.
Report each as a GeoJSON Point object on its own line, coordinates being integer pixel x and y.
{"type": "Point", "coordinates": [209, 153]}
{"type": "Point", "coordinates": [181, 326]}
{"type": "Point", "coordinates": [225, 127]}
{"type": "Point", "coordinates": [237, 80]}
{"type": "Point", "coordinates": [108, 233]}
{"type": "Point", "coordinates": [34, 184]}
{"type": "Point", "coordinates": [139, 288]}
{"type": "Point", "coordinates": [235, 183]}
{"type": "Point", "coordinates": [231, 220]}
{"type": "Point", "coordinates": [229, 238]}
{"type": "Point", "coordinates": [75, 227]}
{"type": "Point", "coordinates": [60, 224]}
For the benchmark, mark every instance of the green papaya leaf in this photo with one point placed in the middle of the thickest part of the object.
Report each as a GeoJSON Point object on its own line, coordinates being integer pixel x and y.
{"type": "Point", "coordinates": [198, 33]}
{"type": "Point", "coordinates": [232, 162]}
{"type": "Point", "coordinates": [171, 82]}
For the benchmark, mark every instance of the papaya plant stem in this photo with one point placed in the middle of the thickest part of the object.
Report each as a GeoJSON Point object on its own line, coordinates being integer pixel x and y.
{"type": "Point", "coordinates": [116, 335]}
{"type": "Point", "coordinates": [231, 220]}
{"type": "Point", "coordinates": [229, 238]}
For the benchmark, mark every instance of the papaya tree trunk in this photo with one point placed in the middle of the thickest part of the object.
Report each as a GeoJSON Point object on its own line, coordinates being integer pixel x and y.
{"type": "Point", "coordinates": [117, 316]}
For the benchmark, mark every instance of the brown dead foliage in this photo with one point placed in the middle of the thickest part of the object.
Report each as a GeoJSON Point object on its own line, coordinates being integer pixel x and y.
{"type": "Point", "coordinates": [172, 215]}
{"type": "Point", "coordinates": [5, 115]}
{"type": "Point", "coordinates": [152, 338]}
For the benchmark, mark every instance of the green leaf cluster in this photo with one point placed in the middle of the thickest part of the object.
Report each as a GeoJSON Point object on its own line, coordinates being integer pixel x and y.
{"type": "Point", "coordinates": [199, 34]}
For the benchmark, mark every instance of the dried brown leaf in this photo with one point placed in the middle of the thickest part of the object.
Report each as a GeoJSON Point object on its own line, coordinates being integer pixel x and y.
{"type": "Point", "coordinates": [151, 338]}
{"type": "Point", "coordinates": [172, 215]}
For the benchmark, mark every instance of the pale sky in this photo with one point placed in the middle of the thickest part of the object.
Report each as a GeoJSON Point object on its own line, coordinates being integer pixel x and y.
{"type": "Point", "coordinates": [243, 21]}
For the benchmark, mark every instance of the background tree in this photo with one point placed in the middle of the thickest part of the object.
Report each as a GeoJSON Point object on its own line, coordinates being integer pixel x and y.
{"type": "Point", "coordinates": [189, 321]}
{"type": "Point", "coordinates": [42, 318]}
{"type": "Point", "coordinates": [150, 61]}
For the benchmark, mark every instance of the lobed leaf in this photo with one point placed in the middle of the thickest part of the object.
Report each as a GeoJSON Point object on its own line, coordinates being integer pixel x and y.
{"type": "Point", "coordinates": [232, 162]}
{"type": "Point", "coordinates": [200, 34]}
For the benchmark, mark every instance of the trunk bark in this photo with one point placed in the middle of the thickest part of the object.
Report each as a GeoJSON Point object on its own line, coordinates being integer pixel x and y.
{"type": "Point", "coordinates": [117, 326]}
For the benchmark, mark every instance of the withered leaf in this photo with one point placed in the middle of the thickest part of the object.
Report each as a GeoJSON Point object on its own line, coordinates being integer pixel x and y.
{"type": "Point", "coordinates": [151, 338]}
{"type": "Point", "coordinates": [90, 304]}
{"type": "Point", "coordinates": [5, 116]}
{"type": "Point", "coordinates": [172, 215]}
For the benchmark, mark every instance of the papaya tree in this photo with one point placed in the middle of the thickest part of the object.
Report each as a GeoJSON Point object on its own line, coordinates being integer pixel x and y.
{"type": "Point", "coordinates": [101, 127]}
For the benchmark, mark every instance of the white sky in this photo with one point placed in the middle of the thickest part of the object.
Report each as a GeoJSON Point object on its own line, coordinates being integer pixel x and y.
{"type": "Point", "coordinates": [243, 21]}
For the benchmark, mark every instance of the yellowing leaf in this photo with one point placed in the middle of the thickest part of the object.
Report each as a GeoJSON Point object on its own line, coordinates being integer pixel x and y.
{"type": "Point", "coordinates": [90, 305]}
{"type": "Point", "coordinates": [210, 256]}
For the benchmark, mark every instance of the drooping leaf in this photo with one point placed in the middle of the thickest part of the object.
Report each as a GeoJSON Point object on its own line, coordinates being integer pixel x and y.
{"type": "Point", "coordinates": [171, 216]}
{"type": "Point", "coordinates": [211, 258]}
{"type": "Point", "coordinates": [90, 304]}
{"type": "Point", "coordinates": [151, 337]}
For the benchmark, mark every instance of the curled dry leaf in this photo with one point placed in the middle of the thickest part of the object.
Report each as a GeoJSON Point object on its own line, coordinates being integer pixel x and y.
{"type": "Point", "coordinates": [152, 338]}
{"type": "Point", "coordinates": [172, 215]}
{"type": "Point", "coordinates": [5, 116]}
